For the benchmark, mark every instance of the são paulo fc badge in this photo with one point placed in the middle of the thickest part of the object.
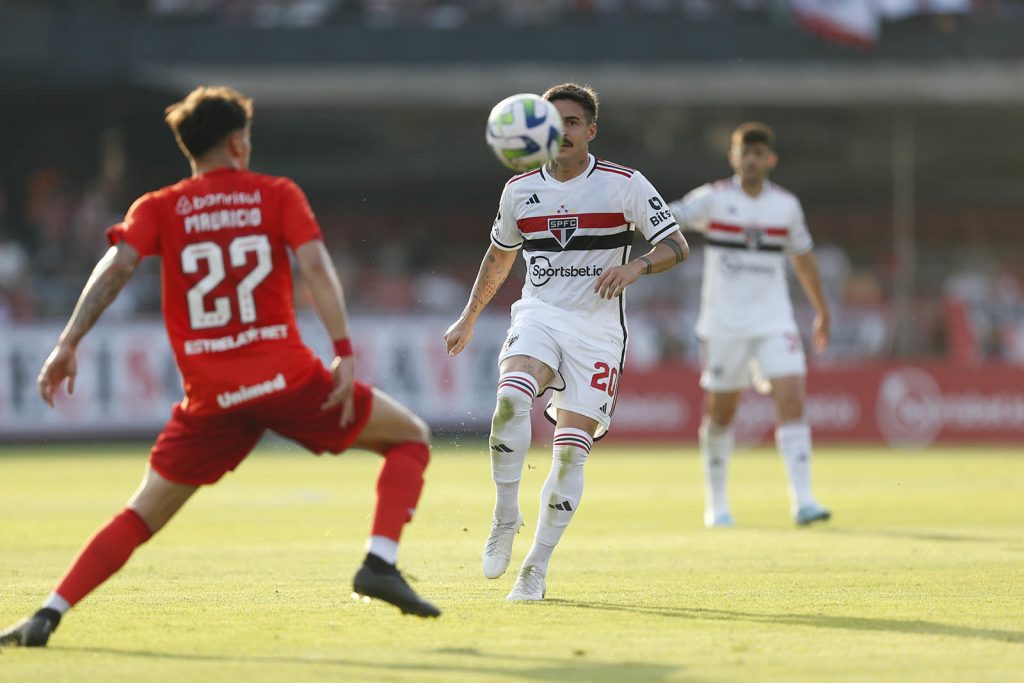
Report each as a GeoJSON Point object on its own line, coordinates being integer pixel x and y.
{"type": "Point", "coordinates": [562, 229]}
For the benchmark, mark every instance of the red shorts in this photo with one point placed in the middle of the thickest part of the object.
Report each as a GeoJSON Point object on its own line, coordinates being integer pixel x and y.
{"type": "Point", "coordinates": [200, 449]}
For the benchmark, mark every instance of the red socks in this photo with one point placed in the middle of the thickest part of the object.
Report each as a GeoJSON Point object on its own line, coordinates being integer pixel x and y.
{"type": "Point", "coordinates": [398, 488]}
{"type": "Point", "coordinates": [103, 555]}
{"type": "Point", "coordinates": [398, 492]}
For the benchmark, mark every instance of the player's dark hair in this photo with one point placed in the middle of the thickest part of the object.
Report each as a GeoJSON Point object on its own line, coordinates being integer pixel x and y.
{"type": "Point", "coordinates": [584, 95]}
{"type": "Point", "coordinates": [206, 116]}
{"type": "Point", "coordinates": [752, 132]}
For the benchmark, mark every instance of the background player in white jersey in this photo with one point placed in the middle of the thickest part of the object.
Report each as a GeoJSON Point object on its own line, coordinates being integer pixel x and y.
{"type": "Point", "coordinates": [746, 319]}
{"type": "Point", "coordinates": [573, 219]}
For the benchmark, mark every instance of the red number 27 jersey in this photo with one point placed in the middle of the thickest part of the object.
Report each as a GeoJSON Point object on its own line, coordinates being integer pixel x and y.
{"type": "Point", "coordinates": [227, 282]}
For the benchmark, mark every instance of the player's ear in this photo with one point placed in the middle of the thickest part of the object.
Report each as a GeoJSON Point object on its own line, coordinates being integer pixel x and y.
{"type": "Point", "coordinates": [773, 161]}
{"type": "Point", "coordinates": [592, 131]}
{"type": "Point", "coordinates": [236, 143]}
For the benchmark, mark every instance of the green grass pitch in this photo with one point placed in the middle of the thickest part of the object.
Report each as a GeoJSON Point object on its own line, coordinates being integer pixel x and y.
{"type": "Point", "coordinates": [920, 576]}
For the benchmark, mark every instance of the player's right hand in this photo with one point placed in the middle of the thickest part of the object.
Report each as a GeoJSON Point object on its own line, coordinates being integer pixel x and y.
{"type": "Point", "coordinates": [458, 335]}
{"type": "Point", "coordinates": [59, 366]}
{"type": "Point", "coordinates": [343, 369]}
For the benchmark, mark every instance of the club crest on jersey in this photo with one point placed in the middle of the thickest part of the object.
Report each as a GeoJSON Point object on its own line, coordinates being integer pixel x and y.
{"type": "Point", "coordinates": [754, 238]}
{"type": "Point", "coordinates": [563, 228]}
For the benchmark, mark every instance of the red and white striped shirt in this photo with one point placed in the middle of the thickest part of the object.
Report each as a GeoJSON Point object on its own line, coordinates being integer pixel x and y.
{"type": "Point", "coordinates": [570, 233]}
{"type": "Point", "coordinates": [744, 293]}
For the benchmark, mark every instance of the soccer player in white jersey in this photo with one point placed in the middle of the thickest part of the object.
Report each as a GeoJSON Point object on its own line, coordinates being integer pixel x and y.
{"type": "Point", "coordinates": [573, 219]}
{"type": "Point", "coordinates": [746, 320]}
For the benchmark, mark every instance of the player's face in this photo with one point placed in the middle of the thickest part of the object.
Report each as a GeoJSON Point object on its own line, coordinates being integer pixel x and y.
{"type": "Point", "coordinates": [752, 161]}
{"type": "Point", "coordinates": [578, 133]}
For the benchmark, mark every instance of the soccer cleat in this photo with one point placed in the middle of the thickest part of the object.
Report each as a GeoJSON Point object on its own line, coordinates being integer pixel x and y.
{"type": "Point", "coordinates": [498, 548]}
{"type": "Point", "coordinates": [809, 514]}
{"type": "Point", "coordinates": [378, 579]}
{"type": "Point", "coordinates": [723, 520]}
{"type": "Point", "coordinates": [32, 631]}
{"type": "Point", "coordinates": [529, 585]}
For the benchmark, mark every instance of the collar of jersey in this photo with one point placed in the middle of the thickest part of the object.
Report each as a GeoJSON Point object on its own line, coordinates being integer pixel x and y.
{"type": "Point", "coordinates": [219, 171]}
{"type": "Point", "coordinates": [737, 183]}
{"type": "Point", "coordinates": [581, 176]}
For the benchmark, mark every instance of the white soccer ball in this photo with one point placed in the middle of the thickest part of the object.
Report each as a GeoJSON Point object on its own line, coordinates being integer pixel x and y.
{"type": "Point", "coordinates": [524, 131]}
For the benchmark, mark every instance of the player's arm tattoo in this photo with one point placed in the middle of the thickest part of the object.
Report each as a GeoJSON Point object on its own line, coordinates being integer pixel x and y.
{"type": "Point", "coordinates": [666, 253]}
{"type": "Point", "coordinates": [680, 256]}
{"type": "Point", "coordinates": [106, 282]}
{"type": "Point", "coordinates": [494, 270]}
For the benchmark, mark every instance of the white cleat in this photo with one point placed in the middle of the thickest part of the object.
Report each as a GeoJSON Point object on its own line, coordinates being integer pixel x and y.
{"type": "Point", "coordinates": [498, 548]}
{"type": "Point", "coordinates": [718, 521]}
{"type": "Point", "coordinates": [529, 585]}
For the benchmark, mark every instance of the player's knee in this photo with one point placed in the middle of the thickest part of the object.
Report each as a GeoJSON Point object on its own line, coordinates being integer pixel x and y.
{"type": "Point", "coordinates": [568, 458]}
{"type": "Point", "coordinates": [719, 418]}
{"type": "Point", "coordinates": [419, 430]}
{"type": "Point", "coordinates": [510, 403]}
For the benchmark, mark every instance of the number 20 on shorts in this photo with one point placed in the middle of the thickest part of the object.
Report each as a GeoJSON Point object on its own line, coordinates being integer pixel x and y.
{"type": "Point", "coordinates": [606, 378]}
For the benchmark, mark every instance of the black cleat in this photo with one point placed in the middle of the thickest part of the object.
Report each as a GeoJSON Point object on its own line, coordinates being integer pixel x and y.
{"type": "Point", "coordinates": [378, 579]}
{"type": "Point", "coordinates": [32, 631]}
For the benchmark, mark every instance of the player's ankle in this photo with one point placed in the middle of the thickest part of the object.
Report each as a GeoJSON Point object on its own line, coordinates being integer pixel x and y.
{"type": "Point", "coordinates": [379, 564]}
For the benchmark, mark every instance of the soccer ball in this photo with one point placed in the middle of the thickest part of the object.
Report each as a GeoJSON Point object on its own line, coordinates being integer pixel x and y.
{"type": "Point", "coordinates": [524, 131]}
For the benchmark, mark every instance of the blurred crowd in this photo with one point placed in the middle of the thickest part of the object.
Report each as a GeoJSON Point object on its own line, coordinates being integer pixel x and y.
{"type": "Point", "coordinates": [969, 307]}
{"type": "Point", "coordinates": [449, 14]}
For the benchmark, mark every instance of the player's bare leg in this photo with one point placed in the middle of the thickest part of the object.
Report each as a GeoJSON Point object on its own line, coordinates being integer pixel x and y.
{"type": "Point", "coordinates": [521, 380]}
{"type": "Point", "coordinates": [559, 500]}
{"type": "Point", "coordinates": [404, 440]}
{"type": "Point", "coordinates": [716, 446]}
{"type": "Point", "coordinates": [793, 439]}
{"type": "Point", "coordinates": [149, 509]}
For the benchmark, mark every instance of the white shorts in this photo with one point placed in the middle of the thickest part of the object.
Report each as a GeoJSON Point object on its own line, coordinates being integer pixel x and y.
{"type": "Point", "coordinates": [587, 374]}
{"type": "Point", "coordinates": [735, 364]}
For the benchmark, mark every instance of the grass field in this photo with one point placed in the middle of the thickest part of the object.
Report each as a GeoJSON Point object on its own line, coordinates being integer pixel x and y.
{"type": "Point", "coordinates": [920, 576]}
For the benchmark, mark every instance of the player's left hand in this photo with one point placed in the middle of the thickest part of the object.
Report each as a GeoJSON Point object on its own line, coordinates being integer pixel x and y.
{"type": "Point", "coordinates": [820, 333]}
{"type": "Point", "coordinates": [59, 366]}
{"type": "Point", "coordinates": [614, 281]}
{"type": "Point", "coordinates": [344, 371]}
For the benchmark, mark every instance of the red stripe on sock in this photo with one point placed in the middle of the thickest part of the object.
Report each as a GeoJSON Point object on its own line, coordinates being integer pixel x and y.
{"type": "Point", "coordinates": [398, 487]}
{"type": "Point", "coordinates": [103, 555]}
{"type": "Point", "coordinates": [516, 387]}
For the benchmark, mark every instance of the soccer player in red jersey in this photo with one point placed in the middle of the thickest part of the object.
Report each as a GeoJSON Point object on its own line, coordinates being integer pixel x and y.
{"type": "Point", "coordinates": [224, 236]}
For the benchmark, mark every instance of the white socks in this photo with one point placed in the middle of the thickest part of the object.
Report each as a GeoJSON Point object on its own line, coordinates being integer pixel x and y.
{"type": "Point", "coordinates": [56, 602]}
{"type": "Point", "coordinates": [383, 547]}
{"type": "Point", "coordinates": [716, 445]}
{"type": "Point", "coordinates": [561, 493]}
{"type": "Point", "coordinates": [510, 440]}
{"type": "Point", "coordinates": [793, 440]}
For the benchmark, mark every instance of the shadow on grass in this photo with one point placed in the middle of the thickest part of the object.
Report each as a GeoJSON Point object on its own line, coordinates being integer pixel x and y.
{"type": "Point", "coordinates": [502, 666]}
{"type": "Point", "coordinates": [924, 536]}
{"type": "Point", "coordinates": [915, 626]}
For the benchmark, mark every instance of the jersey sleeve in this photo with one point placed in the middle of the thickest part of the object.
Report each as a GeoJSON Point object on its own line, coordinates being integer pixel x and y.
{"type": "Point", "coordinates": [693, 211]}
{"type": "Point", "coordinates": [644, 208]}
{"type": "Point", "coordinates": [140, 227]}
{"type": "Point", "coordinates": [299, 223]}
{"type": "Point", "coordinates": [798, 240]}
{"type": "Point", "coordinates": [505, 233]}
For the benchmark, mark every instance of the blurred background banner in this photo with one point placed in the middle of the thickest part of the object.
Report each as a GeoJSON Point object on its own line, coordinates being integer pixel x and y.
{"type": "Point", "coordinates": [899, 127]}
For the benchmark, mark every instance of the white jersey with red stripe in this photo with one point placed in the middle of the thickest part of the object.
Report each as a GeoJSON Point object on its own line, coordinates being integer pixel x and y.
{"type": "Point", "coordinates": [570, 233]}
{"type": "Point", "coordinates": [744, 293]}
